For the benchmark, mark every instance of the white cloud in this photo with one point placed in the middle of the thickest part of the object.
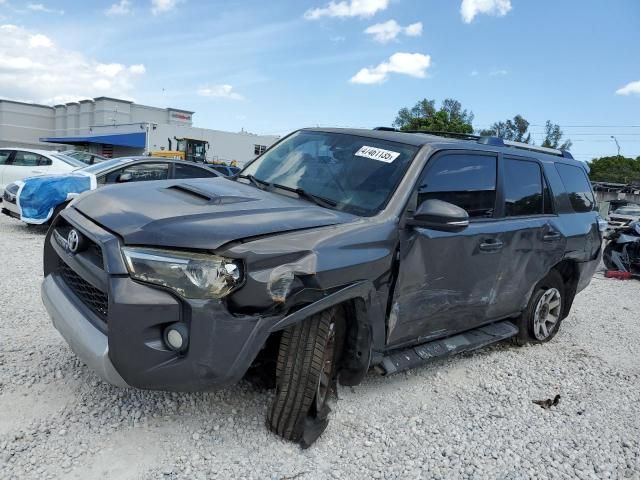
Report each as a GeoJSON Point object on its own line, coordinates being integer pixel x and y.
{"type": "Point", "coordinates": [474, 73]}
{"type": "Point", "coordinates": [137, 69]}
{"type": "Point", "coordinates": [123, 7]}
{"type": "Point", "coordinates": [39, 7]}
{"type": "Point", "coordinates": [470, 8]}
{"type": "Point", "coordinates": [348, 8]}
{"type": "Point", "coordinates": [40, 41]}
{"type": "Point", "coordinates": [163, 6]}
{"type": "Point", "coordinates": [412, 64]}
{"type": "Point", "coordinates": [33, 68]}
{"type": "Point", "coordinates": [629, 88]}
{"type": "Point", "coordinates": [220, 91]}
{"type": "Point", "coordinates": [388, 31]}
{"type": "Point", "coordinates": [498, 73]}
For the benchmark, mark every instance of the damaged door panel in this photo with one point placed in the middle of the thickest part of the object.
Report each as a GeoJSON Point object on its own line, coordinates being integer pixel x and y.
{"type": "Point", "coordinates": [446, 280]}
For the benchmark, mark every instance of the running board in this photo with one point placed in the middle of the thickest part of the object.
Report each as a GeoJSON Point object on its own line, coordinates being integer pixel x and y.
{"type": "Point", "coordinates": [463, 342]}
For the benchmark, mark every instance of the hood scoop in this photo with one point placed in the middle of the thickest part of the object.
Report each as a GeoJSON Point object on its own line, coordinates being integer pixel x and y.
{"type": "Point", "coordinates": [205, 197]}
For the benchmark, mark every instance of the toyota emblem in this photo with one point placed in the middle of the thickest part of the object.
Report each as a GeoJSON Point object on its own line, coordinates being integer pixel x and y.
{"type": "Point", "coordinates": [73, 241]}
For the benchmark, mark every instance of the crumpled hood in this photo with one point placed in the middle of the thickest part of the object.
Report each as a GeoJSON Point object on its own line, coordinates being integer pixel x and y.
{"type": "Point", "coordinates": [199, 214]}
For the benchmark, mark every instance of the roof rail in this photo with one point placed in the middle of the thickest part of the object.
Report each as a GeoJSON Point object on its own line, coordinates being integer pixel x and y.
{"type": "Point", "coordinates": [486, 140]}
{"type": "Point", "coordinates": [534, 148]}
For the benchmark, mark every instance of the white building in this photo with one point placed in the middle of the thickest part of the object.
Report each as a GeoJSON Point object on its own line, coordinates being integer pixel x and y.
{"type": "Point", "coordinates": [114, 127]}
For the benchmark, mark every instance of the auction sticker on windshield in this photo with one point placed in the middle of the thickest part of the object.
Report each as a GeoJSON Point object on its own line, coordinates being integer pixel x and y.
{"type": "Point", "coordinates": [380, 154]}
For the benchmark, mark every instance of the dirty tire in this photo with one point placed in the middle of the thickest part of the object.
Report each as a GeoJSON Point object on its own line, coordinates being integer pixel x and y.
{"type": "Point", "coordinates": [526, 321]}
{"type": "Point", "coordinates": [295, 414]}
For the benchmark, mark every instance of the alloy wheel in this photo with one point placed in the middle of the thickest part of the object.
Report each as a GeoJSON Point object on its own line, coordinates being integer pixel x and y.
{"type": "Point", "coordinates": [547, 314]}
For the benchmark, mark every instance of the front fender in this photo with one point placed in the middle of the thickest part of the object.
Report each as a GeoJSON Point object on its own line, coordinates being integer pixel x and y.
{"type": "Point", "coordinates": [365, 327]}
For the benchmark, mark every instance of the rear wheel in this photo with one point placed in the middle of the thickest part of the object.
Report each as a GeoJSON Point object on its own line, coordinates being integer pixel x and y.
{"type": "Point", "coordinates": [541, 319]}
{"type": "Point", "coordinates": [305, 375]}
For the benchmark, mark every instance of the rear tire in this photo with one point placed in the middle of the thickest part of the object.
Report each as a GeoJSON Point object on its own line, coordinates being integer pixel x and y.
{"type": "Point", "coordinates": [541, 320]}
{"type": "Point", "coordinates": [305, 374]}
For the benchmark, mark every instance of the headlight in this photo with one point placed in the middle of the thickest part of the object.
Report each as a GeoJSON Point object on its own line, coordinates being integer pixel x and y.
{"type": "Point", "coordinates": [191, 275]}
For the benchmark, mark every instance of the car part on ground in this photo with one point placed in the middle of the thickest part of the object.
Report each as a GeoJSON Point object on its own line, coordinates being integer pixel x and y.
{"type": "Point", "coordinates": [622, 251]}
{"type": "Point", "coordinates": [378, 224]}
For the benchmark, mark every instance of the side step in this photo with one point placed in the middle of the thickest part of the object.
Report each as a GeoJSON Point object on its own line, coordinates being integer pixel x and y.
{"type": "Point", "coordinates": [463, 342]}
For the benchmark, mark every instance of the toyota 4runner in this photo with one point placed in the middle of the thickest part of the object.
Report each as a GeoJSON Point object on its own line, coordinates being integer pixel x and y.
{"type": "Point", "coordinates": [333, 252]}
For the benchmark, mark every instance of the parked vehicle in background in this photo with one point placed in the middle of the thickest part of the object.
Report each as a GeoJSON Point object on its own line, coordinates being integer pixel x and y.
{"type": "Point", "coordinates": [334, 251]}
{"type": "Point", "coordinates": [85, 157]}
{"type": "Point", "coordinates": [622, 252]}
{"type": "Point", "coordinates": [19, 163]}
{"type": "Point", "coordinates": [624, 216]}
{"type": "Point", "coordinates": [225, 170]}
{"type": "Point", "coordinates": [37, 200]}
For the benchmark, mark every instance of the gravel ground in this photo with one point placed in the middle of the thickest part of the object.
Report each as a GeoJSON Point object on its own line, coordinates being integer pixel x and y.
{"type": "Point", "coordinates": [471, 416]}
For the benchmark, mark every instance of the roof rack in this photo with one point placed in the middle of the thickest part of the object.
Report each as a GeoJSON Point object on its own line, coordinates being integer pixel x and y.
{"type": "Point", "coordinates": [486, 140]}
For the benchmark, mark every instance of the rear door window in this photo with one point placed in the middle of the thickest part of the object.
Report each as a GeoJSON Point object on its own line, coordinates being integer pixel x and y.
{"type": "Point", "coordinates": [522, 188]}
{"type": "Point", "coordinates": [27, 159]}
{"type": "Point", "coordinates": [141, 172]}
{"type": "Point", "coordinates": [466, 180]}
{"type": "Point", "coordinates": [578, 188]}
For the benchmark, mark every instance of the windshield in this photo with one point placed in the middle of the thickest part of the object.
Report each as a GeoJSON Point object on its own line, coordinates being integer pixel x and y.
{"type": "Point", "coordinates": [68, 160]}
{"type": "Point", "coordinates": [358, 174]}
{"type": "Point", "coordinates": [98, 168]}
{"type": "Point", "coordinates": [628, 211]}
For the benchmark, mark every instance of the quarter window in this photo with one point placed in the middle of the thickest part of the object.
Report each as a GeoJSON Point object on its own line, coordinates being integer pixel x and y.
{"type": "Point", "coordinates": [466, 180]}
{"type": "Point", "coordinates": [189, 171]}
{"type": "Point", "coordinates": [577, 186]}
{"type": "Point", "coordinates": [522, 188]}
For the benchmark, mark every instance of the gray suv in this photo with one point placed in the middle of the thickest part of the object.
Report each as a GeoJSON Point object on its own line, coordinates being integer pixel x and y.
{"type": "Point", "coordinates": [333, 252]}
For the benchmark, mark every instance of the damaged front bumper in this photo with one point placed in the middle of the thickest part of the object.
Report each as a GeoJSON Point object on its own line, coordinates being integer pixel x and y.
{"type": "Point", "coordinates": [116, 325]}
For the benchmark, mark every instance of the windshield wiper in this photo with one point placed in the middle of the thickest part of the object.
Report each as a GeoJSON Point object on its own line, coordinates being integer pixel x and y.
{"type": "Point", "coordinates": [317, 199]}
{"type": "Point", "coordinates": [261, 184]}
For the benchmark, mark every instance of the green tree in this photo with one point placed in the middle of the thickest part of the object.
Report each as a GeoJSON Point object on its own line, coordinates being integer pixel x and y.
{"type": "Point", "coordinates": [615, 169]}
{"type": "Point", "coordinates": [516, 130]}
{"type": "Point", "coordinates": [424, 116]}
{"type": "Point", "coordinates": [553, 135]}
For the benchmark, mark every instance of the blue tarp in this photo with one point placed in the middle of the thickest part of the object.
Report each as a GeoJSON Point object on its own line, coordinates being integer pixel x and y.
{"type": "Point", "coordinates": [38, 197]}
{"type": "Point", "coordinates": [134, 140]}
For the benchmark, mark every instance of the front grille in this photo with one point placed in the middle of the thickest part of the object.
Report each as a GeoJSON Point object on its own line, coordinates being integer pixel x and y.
{"type": "Point", "coordinates": [93, 251]}
{"type": "Point", "coordinates": [95, 299]}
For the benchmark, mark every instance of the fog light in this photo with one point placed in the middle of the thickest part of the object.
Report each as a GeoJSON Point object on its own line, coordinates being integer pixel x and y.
{"type": "Point", "coordinates": [176, 336]}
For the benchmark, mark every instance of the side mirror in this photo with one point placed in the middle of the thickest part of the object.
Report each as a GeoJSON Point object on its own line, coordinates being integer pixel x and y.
{"type": "Point", "coordinates": [440, 215]}
{"type": "Point", "coordinates": [124, 177]}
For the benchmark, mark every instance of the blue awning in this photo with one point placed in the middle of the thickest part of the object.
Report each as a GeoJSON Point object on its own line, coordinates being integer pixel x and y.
{"type": "Point", "coordinates": [134, 140]}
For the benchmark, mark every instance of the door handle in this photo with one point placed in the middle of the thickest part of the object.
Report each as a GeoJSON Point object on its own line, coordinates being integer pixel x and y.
{"type": "Point", "coordinates": [37, 171]}
{"type": "Point", "coordinates": [551, 236]}
{"type": "Point", "coordinates": [491, 246]}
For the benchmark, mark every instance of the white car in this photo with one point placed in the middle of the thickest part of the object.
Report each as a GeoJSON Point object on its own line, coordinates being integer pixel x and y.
{"type": "Point", "coordinates": [19, 163]}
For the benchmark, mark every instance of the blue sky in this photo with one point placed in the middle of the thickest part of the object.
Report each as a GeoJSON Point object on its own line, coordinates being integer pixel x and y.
{"type": "Point", "coordinates": [271, 67]}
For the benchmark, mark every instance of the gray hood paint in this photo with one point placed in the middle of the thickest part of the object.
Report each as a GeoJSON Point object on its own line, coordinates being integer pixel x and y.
{"type": "Point", "coordinates": [200, 214]}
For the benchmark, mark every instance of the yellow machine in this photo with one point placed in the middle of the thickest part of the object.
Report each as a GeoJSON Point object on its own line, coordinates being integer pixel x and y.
{"type": "Point", "coordinates": [189, 149]}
